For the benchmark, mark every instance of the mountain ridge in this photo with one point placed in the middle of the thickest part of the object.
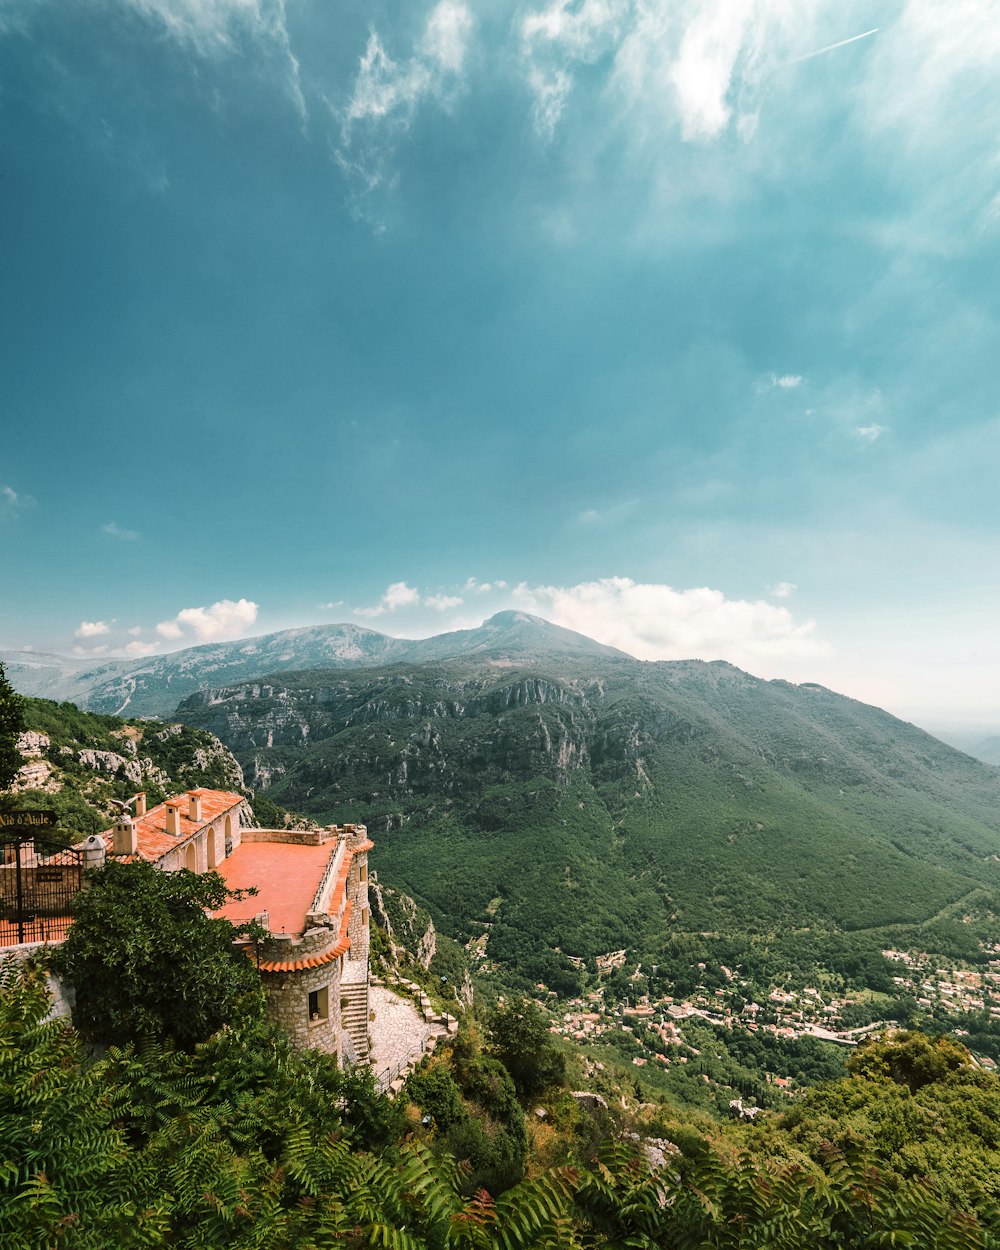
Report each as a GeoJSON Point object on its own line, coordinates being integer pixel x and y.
{"type": "Point", "coordinates": [154, 686]}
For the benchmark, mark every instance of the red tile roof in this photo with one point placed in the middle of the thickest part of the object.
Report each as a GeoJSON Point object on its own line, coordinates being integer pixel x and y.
{"type": "Point", "coordinates": [151, 829]}
{"type": "Point", "coordinates": [287, 876]}
{"type": "Point", "coordinates": [342, 946]}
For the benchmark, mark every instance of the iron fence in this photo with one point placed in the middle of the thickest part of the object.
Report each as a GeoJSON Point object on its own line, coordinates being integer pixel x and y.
{"type": "Point", "coordinates": [38, 883]}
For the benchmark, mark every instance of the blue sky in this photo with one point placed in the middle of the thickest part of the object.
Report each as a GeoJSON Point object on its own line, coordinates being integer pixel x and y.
{"type": "Point", "coordinates": [671, 322]}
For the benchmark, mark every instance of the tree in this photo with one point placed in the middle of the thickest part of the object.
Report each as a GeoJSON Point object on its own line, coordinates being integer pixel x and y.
{"type": "Point", "coordinates": [147, 961]}
{"type": "Point", "coordinates": [11, 726]}
{"type": "Point", "coordinates": [520, 1039]}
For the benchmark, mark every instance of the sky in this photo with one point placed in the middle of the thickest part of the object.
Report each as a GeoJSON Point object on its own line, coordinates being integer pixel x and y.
{"type": "Point", "coordinates": [675, 323]}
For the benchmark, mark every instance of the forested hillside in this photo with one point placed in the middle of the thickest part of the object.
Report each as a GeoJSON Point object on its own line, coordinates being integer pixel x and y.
{"type": "Point", "coordinates": [583, 804]}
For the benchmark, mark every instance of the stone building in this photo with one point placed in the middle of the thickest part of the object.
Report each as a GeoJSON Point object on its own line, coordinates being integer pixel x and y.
{"type": "Point", "coordinates": [312, 899]}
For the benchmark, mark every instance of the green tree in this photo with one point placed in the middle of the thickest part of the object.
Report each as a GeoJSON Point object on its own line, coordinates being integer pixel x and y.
{"type": "Point", "coordinates": [520, 1039]}
{"type": "Point", "coordinates": [11, 725]}
{"type": "Point", "coordinates": [148, 961]}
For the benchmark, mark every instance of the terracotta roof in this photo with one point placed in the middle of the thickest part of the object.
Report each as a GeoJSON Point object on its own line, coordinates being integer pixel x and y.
{"type": "Point", "coordinates": [286, 875]}
{"type": "Point", "coordinates": [342, 946]}
{"type": "Point", "coordinates": [151, 829]}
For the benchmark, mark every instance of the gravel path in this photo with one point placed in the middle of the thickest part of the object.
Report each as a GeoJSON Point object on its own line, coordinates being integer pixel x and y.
{"type": "Point", "coordinates": [398, 1030]}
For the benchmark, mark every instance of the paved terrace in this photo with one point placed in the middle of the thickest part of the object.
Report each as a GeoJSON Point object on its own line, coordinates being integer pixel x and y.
{"type": "Point", "coordinates": [286, 875]}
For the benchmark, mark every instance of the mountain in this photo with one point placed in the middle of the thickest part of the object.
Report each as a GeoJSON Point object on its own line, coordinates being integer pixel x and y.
{"type": "Point", "coordinates": [552, 810]}
{"type": "Point", "coordinates": [980, 744]}
{"type": "Point", "coordinates": [154, 686]}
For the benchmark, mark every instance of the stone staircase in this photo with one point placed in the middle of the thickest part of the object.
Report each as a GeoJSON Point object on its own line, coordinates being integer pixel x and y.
{"type": "Point", "coordinates": [354, 1015]}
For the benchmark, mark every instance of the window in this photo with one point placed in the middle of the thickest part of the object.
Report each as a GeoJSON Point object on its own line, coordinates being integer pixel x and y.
{"type": "Point", "coordinates": [364, 872]}
{"type": "Point", "coordinates": [319, 1005]}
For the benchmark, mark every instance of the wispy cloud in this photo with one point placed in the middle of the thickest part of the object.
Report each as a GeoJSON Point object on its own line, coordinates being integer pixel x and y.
{"type": "Point", "coordinates": [387, 93]}
{"type": "Point", "coordinates": [214, 28]}
{"type": "Point", "coordinates": [783, 590]}
{"type": "Point", "coordinates": [224, 620]}
{"type": "Point", "coordinates": [443, 603]}
{"type": "Point", "coordinates": [12, 502]}
{"type": "Point", "coordinates": [114, 530]}
{"type": "Point", "coordinates": [472, 584]}
{"type": "Point", "coordinates": [787, 381]}
{"type": "Point", "coordinates": [869, 433]}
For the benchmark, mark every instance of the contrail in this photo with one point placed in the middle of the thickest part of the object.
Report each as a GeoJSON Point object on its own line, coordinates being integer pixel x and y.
{"type": "Point", "coordinates": [831, 46]}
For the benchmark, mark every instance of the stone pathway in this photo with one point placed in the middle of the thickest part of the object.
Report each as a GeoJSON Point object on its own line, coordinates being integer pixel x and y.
{"type": "Point", "coordinates": [400, 1035]}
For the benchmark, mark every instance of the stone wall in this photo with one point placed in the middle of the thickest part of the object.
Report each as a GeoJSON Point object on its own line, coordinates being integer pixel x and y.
{"type": "Point", "coordinates": [288, 1005]}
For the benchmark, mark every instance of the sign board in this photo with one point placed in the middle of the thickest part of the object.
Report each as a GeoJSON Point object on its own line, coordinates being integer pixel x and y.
{"type": "Point", "coordinates": [34, 818]}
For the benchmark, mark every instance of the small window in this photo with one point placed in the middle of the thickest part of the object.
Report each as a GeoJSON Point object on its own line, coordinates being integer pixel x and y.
{"type": "Point", "coordinates": [364, 915]}
{"type": "Point", "coordinates": [319, 1005]}
{"type": "Point", "coordinates": [364, 872]}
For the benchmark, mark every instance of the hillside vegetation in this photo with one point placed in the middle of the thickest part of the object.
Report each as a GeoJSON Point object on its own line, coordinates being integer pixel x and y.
{"type": "Point", "coordinates": [75, 763]}
{"type": "Point", "coordinates": [555, 811]}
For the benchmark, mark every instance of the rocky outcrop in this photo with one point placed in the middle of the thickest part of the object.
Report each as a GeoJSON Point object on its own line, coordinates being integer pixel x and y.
{"type": "Point", "coordinates": [408, 927]}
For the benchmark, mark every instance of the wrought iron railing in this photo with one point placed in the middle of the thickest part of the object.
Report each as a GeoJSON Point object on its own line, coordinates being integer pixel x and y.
{"type": "Point", "coordinates": [38, 883]}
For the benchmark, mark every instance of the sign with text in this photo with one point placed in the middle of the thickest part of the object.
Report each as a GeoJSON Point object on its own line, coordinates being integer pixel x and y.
{"type": "Point", "coordinates": [33, 818]}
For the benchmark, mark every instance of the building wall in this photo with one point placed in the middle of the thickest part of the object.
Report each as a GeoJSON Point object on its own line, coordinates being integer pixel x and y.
{"type": "Point", "coordinates": [288, 1006]}
{"type": "Point", "coordinates": [227, 834]}
{"type": "Point", "coordinates": [357, 892]}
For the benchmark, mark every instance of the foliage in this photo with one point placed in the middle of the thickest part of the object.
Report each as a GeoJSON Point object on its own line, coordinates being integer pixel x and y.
{"type": "Point", "coordinates": [12, 724]}
{"type": "Point", "coordinates": [147, 961]}
{"type": "Point", "coordinates": [519, 1037]}
{"type": "Point", "coordinates": [244, 1144]}
{"type": "Point", "coordinates": [474, 1112]}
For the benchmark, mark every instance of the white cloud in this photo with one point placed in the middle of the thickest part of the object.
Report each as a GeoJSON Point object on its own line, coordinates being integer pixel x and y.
{"type": "Point", "coordinates": [135, 631]}
{"type": "Point", "coordinates": [696, 64]}
{"type": "Point", "coordinates": [557, 38]}
{"type": "Point", "coordinates": [387, 93]}
{"type": "Point", "coordinates": [117, 531]}
{"type": "Point", "coordinates": [784, 590]}
{"type": "Point", "coordinates": [141, 648]}
{"type": "Point", "coordinates": [103, 649]}
{"type": "Point", "coordinates": [222, 621]}
{"type": "Point", "coordinates": [442, 603]}
{"type": "Point", "coordinates": [12, 502]}
{"type": "Point", "coordinates": [869, 433]}
{"type": "Point", "coordinates": [657, 622]}
{"type": "Point", "coordinates": [91, 629]}
{"type": "Point", "coordinates": [397, 595]}
{"type": "Point", "coordinates": [786, 381]}
{"type": "Point", "coordinates": [472, 584]}
{"type": "Point", "coordinates": [703, 68]}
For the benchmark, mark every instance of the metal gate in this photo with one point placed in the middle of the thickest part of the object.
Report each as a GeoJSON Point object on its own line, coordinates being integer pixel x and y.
{"type": "Point", "coordinates": [38, 882]}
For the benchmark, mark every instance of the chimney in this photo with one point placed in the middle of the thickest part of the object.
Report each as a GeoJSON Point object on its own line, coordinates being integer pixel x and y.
{"type": "Point", "coordinates": [173, 807]}
{"type": "Point", "coordinates": [194, 806]}
{"type": "Point", "coordinates": [140, 804]}
{"type": "Point", "coordinates": [124, 841]}
{"type": "Point", "coordinates": [94, 851]}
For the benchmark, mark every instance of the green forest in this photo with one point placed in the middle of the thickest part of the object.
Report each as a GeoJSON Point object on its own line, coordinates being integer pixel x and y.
{"type": "Point", "coordinates": [161, 1126]}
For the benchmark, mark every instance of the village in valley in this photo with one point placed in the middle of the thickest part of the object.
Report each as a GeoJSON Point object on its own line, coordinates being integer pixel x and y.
{"type": "Point", "coordinates": [654, 1026]}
